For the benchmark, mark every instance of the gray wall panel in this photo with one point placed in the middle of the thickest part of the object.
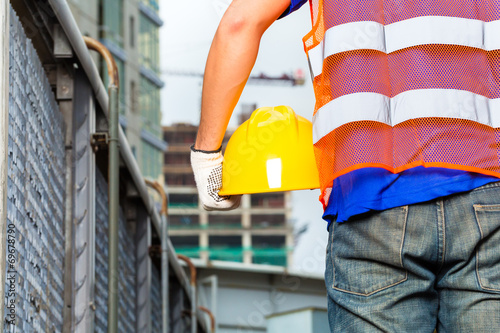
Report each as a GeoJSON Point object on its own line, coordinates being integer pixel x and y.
{"type": "Point", "coordinates": [35, 191]}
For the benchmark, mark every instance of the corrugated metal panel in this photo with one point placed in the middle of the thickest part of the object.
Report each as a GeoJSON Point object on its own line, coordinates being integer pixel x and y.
{"type": "Point", "coordinates": [143, 270]}
{"type": "Point", "coordinates": [35, 190]}
{"type": "Point", "coordinates": [101, 255]}
{"type": "Point", "coordinates": [83, 242]}
{"type": "Point", "coordinates": [155, 300]}
{"type": "Point", "coordinates": [127, 291]}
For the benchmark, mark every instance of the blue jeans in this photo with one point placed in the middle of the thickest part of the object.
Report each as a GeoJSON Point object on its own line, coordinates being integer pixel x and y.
{"type": "Point", "coordinates": [434, 265]}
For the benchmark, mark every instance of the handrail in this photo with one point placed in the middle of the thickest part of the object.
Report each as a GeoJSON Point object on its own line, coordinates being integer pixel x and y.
{"type": "Point", "coordinates": [113, 181]}
{"type": "Point", "coordinates": [212, 318]}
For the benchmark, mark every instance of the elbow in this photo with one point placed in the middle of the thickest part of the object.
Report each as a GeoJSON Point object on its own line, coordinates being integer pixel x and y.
{"type": "Point", "coordinates": [234, 24]}
{"type": "Point", "coordinates": [237, 24]}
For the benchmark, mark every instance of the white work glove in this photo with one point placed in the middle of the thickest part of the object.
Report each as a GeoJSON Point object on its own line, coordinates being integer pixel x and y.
{"type": "Point", "coordinates": [207, 168]}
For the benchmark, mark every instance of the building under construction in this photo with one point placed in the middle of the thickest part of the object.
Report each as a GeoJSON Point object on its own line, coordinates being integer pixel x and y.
{"type": "Point", "coordinates": [258, 232]}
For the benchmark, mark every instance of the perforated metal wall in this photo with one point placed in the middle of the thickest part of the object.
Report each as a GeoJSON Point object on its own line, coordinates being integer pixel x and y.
{"type": "Point", "coordinates": [155, 300]}
{"type": "Point", "coordinates": [36, 192]}
{"type": "Point", "coordinates": [36, 208]}
{"type": "Point", "coordinates": [127, 291]}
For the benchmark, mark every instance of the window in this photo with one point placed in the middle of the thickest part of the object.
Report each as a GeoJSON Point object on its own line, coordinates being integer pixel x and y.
{"type": "Point", "coordinates": [177, 158]}
{"type": "Point", "coordinates": [269, 250]}
{"type": "Point", "coordinates": [183, 200]}
{"type": "Point", "coordinates": [112, 21]}
{"type": "Point", "coordinates": [151, 162]}
{"type": "Point", "coordinates": [149, 46]}
{"type": "Point", "coordinates": [175, 136]}
{"type": "Point", "coordinates": [187, 245]}
{"type": "Point", "coordinates": [132, 32]}
{"type": "Point", "coordinates": [149, 100]}
{"type": "Point", "coordinates": [268, 242]}
{"type": "Point", "coordinates": [226, 248]}
{"type": "Point", "coordinates": [220, 221]}
{"type": "Point", "coordinates": [133, 97]}
{"type": "Point", "coordinates": [268, 200]}
{"type": "Point", "coordinates": [184, 221]}
{"type": "Point", "coordinates": [268, 221]}
{"type": "Point", "coordinates": [180, 180]}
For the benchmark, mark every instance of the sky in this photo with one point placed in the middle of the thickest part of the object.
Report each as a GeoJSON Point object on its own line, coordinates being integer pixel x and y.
{"type": "Point", "coordinates": [185, 41]}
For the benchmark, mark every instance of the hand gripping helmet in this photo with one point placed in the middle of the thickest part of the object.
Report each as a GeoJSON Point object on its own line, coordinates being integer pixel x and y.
{"type": "Point", "coordinates": [272, 151]}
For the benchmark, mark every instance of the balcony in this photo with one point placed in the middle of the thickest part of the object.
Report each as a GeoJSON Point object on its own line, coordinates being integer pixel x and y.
{"type": "Point", "coordinates": [226, 254]}
{"type": "Point", "coordinates": [270, 256]}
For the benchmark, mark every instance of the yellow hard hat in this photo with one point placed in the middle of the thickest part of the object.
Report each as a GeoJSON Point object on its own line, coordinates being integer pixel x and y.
{"type": "Point", "coordinates": [272, 151]}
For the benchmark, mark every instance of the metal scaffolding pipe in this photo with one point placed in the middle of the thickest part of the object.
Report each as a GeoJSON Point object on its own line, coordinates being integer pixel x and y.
{"type": "Point", "coordinates": [4, 140]}
{"type": "Point", "coordinates": [192, 271]}
{"type": "Point", "coordinates": [212, 318]}
{"type": "Point", "coordinates": [164, 253]}
{"type": "Point", "coordinates": [113, 181]}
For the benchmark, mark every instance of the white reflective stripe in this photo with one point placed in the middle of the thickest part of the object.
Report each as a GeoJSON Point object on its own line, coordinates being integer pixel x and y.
{"type": "Point", "coordinates": [349, 108]}
{"type": "Point", "coordinates": [434, 30]}
{"type": "Point", "coordinates": [445, 103]}
{"type": "Point", "coordinates": [407, 33]}
{"type": "Point", "coordinates": [316, 57]}
{"type": "Point", "coordinates": [492, 35]}
{"type": "Point", "coordinates": [355, 36]}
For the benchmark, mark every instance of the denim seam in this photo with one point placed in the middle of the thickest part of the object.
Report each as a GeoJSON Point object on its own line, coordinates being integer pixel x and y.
{"type": "Point", "coordinates": [443, 226]}
{"type": "Point", "coordinates": [375, 291]}
{"type": "Point", "coordinates": [477, 250]}
{"type": "Point", "coordinates": [403, 238]}
{"type": "Point", "coordinates": [400, 260]}
{"type": "Point", "coordinates": [331, 255]}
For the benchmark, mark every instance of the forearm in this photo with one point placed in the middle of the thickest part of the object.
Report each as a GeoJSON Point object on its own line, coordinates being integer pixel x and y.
{"type": "Point", "coordinates": [230, 61]}
{"type": "Point", "coordinates": [228, 67]}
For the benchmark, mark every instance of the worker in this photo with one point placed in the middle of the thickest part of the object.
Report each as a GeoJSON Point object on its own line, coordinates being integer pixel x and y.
{"type": "Point", "coordinates": [407, 147]}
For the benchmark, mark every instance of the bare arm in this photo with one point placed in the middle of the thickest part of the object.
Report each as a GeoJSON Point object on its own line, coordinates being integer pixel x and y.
{"type": "Point", "coordinates": [230, 61]}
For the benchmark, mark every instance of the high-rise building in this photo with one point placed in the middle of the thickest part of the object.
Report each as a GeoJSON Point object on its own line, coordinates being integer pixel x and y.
{"type": "Point", "coordinates": [259, 231]}
{"type": "Point", "coordinates": [130, 30]}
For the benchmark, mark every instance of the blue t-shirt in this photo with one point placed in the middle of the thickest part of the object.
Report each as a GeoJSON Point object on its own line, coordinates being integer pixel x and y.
{"type": "Point", "coordinates": [376, 189]}
{"type": "Point", "coordinates": [294, 5]}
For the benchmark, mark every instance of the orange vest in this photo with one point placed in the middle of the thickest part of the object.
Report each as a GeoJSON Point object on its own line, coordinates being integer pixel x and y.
{"type": "Point", "coordinates": [407, 83]}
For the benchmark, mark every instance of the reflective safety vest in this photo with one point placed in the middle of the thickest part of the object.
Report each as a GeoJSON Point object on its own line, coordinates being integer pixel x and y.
{"type": "Point", "coordinates": [405, 83]}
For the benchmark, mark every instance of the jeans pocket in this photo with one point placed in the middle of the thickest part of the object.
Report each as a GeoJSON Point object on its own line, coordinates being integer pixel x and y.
{"type": "Point", "coordinates": [488, 249]}
{"type": "Point", "coordinates": [366, 253]}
